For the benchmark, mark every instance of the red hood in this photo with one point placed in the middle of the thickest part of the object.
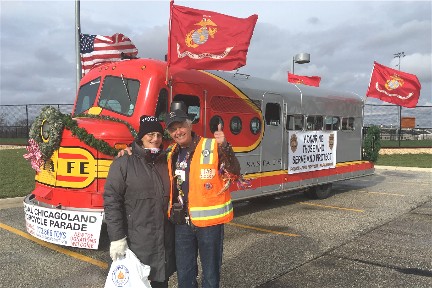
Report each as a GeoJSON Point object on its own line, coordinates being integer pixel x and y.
{"type": "Point", "coordinates": [104, 129]}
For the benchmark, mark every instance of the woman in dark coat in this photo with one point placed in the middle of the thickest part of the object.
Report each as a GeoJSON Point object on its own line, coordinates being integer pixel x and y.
{"type": "Point", "coordinates": [136, 201]}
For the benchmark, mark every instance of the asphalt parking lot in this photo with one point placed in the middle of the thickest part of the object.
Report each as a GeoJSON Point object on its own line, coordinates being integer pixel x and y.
{"type": "Point", "coordinates": [374, 231]}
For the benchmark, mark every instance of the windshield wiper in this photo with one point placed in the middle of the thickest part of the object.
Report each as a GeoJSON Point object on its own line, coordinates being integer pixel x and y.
{"type": "Point", "coordinates": [126, 88]}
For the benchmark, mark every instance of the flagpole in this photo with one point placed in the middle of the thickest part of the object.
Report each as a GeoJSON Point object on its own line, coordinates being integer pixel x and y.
{"type": "Point", "coordinates": [77, 43]}
{"type": "Point", "coordinates": [167, 82]}
{"type": "Point", "coordinates": [399, 55]}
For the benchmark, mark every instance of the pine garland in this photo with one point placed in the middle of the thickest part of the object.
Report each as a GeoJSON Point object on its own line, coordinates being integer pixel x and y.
{"type": "Point", "coordinates": [372, 143]}
{"type": "Point", "coordinates": [109, 118]}
{"type": "Point", "coordinates": [89, 139]}
{"type": "Point", "coordinates": [57, 121]}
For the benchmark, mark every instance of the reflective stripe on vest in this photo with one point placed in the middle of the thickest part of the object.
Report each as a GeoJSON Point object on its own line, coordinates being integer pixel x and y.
{"type": "Point", "coordinates": [211, 212]}
{"type": "Point", "coordinates": [207, 148]}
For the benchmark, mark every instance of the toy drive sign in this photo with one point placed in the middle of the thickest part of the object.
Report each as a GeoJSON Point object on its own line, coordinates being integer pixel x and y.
{"type": "Point", "coordinates": [63, 227]}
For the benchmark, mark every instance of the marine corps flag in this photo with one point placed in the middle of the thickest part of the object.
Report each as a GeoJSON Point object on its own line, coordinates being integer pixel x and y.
{"type": "Point", "coordinates": [306, 80]}
{"type": "Point", "coordinates": [200, 39]}
{"type": "Point", "coordinates": [394, 86]}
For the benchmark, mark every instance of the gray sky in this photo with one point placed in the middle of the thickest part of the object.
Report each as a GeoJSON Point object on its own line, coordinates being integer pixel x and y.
{"type": "Point", "coordinates": [344, 38]}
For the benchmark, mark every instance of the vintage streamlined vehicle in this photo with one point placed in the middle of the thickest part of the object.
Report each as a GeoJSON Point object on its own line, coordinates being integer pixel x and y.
{"type": "Point", "coordinates": [288, 137]}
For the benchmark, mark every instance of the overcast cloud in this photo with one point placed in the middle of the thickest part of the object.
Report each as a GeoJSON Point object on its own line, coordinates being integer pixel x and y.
{"type": "Point", "coordinates": [344, 38]}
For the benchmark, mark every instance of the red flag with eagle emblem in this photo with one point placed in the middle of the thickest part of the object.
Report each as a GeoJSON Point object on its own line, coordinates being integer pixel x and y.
{"type": "Point", "coordinates": [306, 80]}
{"type": "Point", "coordinates": [200, 39]}
{"type": "Point", "coordinates": [394, 86]}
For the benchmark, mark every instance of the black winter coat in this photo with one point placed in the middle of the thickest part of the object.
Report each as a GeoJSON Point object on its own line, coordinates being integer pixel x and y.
{"type": "Point", "coordinates": [136, 201]}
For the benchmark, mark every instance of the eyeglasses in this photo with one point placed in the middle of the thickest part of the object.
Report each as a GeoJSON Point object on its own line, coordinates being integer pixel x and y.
{"type": "Point", "coordinates": [154, 135]}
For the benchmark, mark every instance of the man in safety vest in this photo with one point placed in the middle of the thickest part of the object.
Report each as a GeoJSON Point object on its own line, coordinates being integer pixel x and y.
{"type": "Point", "coordinates": [200, 170]}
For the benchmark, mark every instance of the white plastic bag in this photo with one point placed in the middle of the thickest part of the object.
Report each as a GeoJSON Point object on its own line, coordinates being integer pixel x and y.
{"type": "Point", "coordinates": [128, 272]}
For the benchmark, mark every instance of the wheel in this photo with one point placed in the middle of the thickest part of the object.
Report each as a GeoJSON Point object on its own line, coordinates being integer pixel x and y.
{"type": "Point", "coordinates": [320, 192]}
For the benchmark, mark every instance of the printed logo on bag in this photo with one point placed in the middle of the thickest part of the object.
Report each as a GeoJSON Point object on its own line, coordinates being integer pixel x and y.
{"type": "Point", "coordinates": [120, 276]}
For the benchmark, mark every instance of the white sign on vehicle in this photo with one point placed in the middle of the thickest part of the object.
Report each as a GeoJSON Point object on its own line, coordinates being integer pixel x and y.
{"type": "Point", "coordinates": [64, 227]}
{"type": "Point", "coordinates": [311, 151]}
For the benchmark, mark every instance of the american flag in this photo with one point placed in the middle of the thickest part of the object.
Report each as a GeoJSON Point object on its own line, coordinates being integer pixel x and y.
{"type": "Point", "coordinates": [96, 49]}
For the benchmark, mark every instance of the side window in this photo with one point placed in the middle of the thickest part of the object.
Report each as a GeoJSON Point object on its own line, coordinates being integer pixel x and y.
{"type": "Point", "coordinates": [162, 105]}
{"type": "Point", "coordinates": [351, 123]}
{"type": "Point", "coordinates": [272, 114]}
{"type": "Point", "coordinates": [331, 123]}
{"type": "Point", "coordinates": [214, 122]}
{"type": "Point", "coordinates": [255, 126]}
{"type": "Point", "coordinates": [294, 122]}
{"type": "Point", "coordinates": [235, 125]}
{"type": "Point", "coordinates": [314, 122]}
{"type": "Point", "coordinates": [192, 104]}
{"type": "Point", "coordinates": [348, 123]}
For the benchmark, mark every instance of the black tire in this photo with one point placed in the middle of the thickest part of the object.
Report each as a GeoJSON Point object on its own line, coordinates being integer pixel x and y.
{"type": "Point", "coordinates": [320, 192]}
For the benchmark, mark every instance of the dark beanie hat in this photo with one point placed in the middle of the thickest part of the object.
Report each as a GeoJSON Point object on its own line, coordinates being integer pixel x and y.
{"type": "Point", "coordinates": [149, 124]}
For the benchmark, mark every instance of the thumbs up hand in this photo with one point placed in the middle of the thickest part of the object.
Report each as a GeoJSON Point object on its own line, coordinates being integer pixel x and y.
{"type": "Point", "coordinates": [219, 135]}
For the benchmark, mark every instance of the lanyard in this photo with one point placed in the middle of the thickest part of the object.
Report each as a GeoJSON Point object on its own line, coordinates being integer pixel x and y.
{"type": "Point", "coordinates": [180, 174]}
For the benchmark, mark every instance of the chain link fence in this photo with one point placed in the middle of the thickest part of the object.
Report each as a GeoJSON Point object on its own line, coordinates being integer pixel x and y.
{"type": "Point", "coordinates": [16, 120]}
{"type": "Point", "coordinates": [400, 125]}
{"type": "Point", "coordinates": [388, 116]}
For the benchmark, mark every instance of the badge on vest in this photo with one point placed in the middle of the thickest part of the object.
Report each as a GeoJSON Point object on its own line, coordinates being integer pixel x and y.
{"type": "Point", "coordinates": [207, 173]}
{"type": "Point", "coordinates": [208, 186]}
{"type": "Point", "coordinates": [181, 174]}
{"type": "Point", "coordinates": [205, 152]}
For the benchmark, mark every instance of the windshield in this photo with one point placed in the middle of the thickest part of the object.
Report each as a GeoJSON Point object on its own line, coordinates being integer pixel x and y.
{"type": "Point", "coordinates": [86, 96]}
{"type": "Point", "coordinates": [119, 94]}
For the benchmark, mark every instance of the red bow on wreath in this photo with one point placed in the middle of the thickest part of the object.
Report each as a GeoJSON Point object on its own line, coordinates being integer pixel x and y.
{"type": "Point", "coordinates": [34, 155]}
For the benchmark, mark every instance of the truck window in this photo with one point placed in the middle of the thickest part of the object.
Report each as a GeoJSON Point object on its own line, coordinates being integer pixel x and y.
{"type": "Point", "coordinates": [86, 96]}
{"type": "Point", "coordinates": [119, 94]}
{"type": "Point", "coordinates": [314, 122]}
{"type": "Point", "coordinates": [294, 122]}
{"type": "Point", "coordinates": [272, 114]}
{"type": "Point", "coordinates": [192, 104]}
{"type": "Point", "coordinates": [331, 123]}
{"type": "Point", "coordinates": [348, 123]}
{"type": "Point", "coordinates": [162, 105]}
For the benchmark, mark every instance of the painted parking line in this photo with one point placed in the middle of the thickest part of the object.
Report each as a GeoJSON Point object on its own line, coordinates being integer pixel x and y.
{"type": "Point", "coordinates": [417, 183]}
{"type": "Point", "coordinates": [262, 230]}
{"type": "Point", "coordinates": [76, 255]}
{"type": "Point", "coordinates": [331, 207]}
{"type": "Point", "coordinates": [385, 193]}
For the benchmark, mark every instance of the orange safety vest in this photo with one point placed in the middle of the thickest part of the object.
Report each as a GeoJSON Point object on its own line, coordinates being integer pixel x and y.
{"type": "Point", "coordinates": [207, 205]}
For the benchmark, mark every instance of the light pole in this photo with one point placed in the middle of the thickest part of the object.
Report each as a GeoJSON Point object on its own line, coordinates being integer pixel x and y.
{"type": "Point", "coordinates": [300, 58]}
{"type": "Point", "coordinates": [399, 55]}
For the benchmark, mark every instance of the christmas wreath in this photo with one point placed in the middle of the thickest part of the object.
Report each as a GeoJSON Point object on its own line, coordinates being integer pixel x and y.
{"type": "Point", "coordinates": [47, 130]}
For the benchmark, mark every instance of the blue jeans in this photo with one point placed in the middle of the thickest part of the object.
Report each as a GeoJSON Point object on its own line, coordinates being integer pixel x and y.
{"type": "Point", "coordinates": [208, 241]}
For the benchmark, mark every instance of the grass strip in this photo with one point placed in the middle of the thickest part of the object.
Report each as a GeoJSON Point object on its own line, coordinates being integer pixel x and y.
{"type": "Point", "coordinates": [16, 174]}
{"type": "Point", "coordinates": [406, 160]}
